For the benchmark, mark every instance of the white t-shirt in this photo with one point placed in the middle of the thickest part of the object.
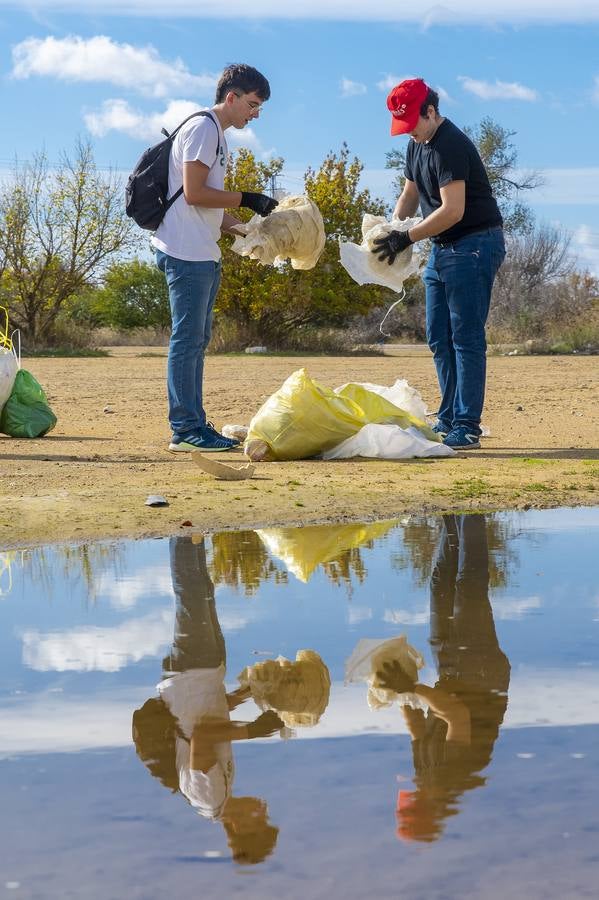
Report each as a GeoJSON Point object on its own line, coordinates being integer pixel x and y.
{"type": "Point", "coordinates": [191, 232]}
{"type": "Point", "coordinates": [192, 696]}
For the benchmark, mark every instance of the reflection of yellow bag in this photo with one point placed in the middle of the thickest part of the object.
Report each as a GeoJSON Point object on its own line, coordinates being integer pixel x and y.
{"type": "Point", "coordinates": [303, 549]}
{"type": "Point", "coordinates": [304, 418]}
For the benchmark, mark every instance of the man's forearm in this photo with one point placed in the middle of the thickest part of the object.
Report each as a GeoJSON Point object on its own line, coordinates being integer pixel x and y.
{"type": "Point", "coordinates": [212, 198]}
{"type": "Point", "coordinates": [442, 219]}
{"type": "Point", "coordinates": [405, 208]}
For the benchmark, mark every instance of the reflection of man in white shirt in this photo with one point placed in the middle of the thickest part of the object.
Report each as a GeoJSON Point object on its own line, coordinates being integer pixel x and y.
{"type": "Point", "coordinates": [188, 744]}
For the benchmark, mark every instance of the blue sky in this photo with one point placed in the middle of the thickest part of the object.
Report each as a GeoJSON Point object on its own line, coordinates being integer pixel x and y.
{"type": "Point", "coordinates": [117, 71]}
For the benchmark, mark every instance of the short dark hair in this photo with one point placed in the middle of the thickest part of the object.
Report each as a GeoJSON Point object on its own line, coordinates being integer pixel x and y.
{"type": "Point", "coordinates": [431, 99]}
{"type": "Point", "coordinates": [243, 78]}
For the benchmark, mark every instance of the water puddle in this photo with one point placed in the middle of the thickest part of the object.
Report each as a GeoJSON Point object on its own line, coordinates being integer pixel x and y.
{"type": "Point", "coordinates": [403, 708]}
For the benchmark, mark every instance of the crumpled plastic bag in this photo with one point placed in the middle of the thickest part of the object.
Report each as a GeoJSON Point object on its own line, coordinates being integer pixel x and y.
{"type": "Point", "coordinates": [304, 419]}
{"type": "Point", "coordinates": [304, 549]}
{"type": "Point", "coordinates": [294, 231]}
{"type": "Point", "coordinates": [400, 394]}
{"type": "Point", "coordinates": [9, 367]}
{"type": "Point", "coordinates": [297, 690]}
{"type": "Point", "coordinates": [26, 413]}
{"type": "Point", "coordinates": [368, 657]}
{"type": "Point", "coordinates": [388, 442]}
{"type": "Point", "coordinates": [366, 268]}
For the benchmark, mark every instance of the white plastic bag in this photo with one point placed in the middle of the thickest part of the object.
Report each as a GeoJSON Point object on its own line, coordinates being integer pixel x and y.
{"type": "Point", "coordinates": [368, 657]}
{"type": "Point", "coordinates": [9, 360]}
{"type": "Point", "coordinates": [366, 268]}
{"type": "Point", "coordinates": [388, 442]}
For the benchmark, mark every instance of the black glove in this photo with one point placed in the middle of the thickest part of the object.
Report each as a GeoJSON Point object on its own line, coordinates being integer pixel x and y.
{"type": "Point", "coordinates": [391, 675]}
{"type": "Point", "coordinates": [387, 248]}
{"type": "Point", "coordinates": [259, 203]}
{"type": "Point", "coordinates": [265, 725]}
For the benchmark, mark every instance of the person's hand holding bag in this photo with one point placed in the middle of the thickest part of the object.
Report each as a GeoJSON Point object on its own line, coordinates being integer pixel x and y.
{"type": "Point", "coordinates": [388, 247]}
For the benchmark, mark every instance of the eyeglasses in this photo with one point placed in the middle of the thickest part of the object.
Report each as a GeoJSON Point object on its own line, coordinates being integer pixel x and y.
{"type": "Point", "coordinates": [251, 103]}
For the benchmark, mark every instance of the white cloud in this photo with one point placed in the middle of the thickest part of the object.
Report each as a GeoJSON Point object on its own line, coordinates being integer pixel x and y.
{"type": "Point", "coordinates": [352, 88]}
{"type": "Point", "coordinates": [514, 608]}
{"type": "Point", "coordinates": [100, 59]}
{"type": "Point", "coordinates": [119, 115]}
{"type": "Point", "coordinates": [468, 11]}
{"type": "Point", "coordinates": [389, 81]}
{"type": "Point", "coordinates": [125, 592]}
{"type": "Point", "coordinates": [500, 90]}
{"type": "Point", "coordinates": [585, 245]}
{"type": "Point", "coordinates": [567, 187]}
{"type": "Point", "coordinates": [97, 649]}
{"type": "Point", "coordinates": [407, 616]}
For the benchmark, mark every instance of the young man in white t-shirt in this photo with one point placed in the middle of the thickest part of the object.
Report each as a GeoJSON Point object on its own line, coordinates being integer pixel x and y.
{"type": "Point", "coordinates": [187, 250]}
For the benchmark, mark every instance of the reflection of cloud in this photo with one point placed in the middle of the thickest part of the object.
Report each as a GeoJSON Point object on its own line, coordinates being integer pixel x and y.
{"type": "Point", "coordinates": [96, 649]}
{"type": "Point", "coordinates": [53, 723]}
{"type": "Point", "coordinates": [500, 90]}
{"type": "Point", "coordinates": [100, 59]}
{"type": "Point", "coordinates": [514, 607]}
{"type": "Point", "coordinates": [406, 616]}
{"type": "Point", "coordinates": [124, 592]}
{"type": "Point", "coordinates": [357, 614]}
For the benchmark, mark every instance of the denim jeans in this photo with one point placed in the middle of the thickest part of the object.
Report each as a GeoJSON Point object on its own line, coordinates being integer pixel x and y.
{"type": "Point", "coordinates": [192, 288]}
{"type": "Point", "coordinates": [458, 279]}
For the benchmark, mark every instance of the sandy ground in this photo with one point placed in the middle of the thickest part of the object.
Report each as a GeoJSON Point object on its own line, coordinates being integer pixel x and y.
{"type": "Point", "coordinates": [90, 477]}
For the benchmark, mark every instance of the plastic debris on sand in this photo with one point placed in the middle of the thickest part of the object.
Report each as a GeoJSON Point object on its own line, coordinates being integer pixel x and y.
{"type": "Point", "coordinates": [366, 268]}
{"type": "Point", "coordinates": [293, 231]}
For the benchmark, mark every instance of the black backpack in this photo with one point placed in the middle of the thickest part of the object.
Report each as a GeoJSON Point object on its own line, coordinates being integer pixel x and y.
{"type": "Point", "coordinates": [146, 191]}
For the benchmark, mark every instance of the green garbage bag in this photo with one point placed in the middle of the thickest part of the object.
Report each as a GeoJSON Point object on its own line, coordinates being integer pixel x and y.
{"type": "Point", "coordinates": [26, 413]}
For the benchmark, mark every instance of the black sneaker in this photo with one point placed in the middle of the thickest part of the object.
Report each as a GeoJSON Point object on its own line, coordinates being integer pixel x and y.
{"type": "Point", "coordinates": [204, 440]}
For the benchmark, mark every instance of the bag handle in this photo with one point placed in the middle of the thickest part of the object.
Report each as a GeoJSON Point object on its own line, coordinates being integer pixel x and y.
{"type": "Point", "coordinates": [208, 115]}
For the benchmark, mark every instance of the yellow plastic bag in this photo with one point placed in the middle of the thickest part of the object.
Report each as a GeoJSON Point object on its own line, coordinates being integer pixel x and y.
{"type": "Point", "coordinates": [304, 549]}
{"type": "Point", "coordinates": [304, 418]}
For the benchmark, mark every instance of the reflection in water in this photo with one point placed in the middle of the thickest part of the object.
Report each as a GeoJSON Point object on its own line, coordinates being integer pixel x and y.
{"type": "Point", "coordinates": [335, 547]}
{"type": "Point", "coordinates": [184, 735]}
{"type": "Point", "coordinates": [453, 741]}
{"type": "Point", "coordinates": [298, 691]}
{"type": "Point", "coordinates": [239, 558]}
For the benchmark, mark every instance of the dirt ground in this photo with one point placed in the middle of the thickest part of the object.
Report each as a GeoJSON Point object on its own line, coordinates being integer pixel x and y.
{"type": "Point", "coordinates": [90, 477]}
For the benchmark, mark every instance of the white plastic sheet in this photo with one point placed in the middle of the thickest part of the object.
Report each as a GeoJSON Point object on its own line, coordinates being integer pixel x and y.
{"type": "Point", "coordinates": [294, 231]}
{"type": "Point", "coordinates": [400, 394]}
{"type": "Point", "coordinates": [365, 267]}
{"type": "Point", "coordinates": [388, 442]}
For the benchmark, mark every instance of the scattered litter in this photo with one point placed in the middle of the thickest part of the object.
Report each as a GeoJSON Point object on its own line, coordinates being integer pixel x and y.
{"type": "Point", "coordinates": [239, 432]}
{"type": "Point", "coordinates": [366, 268]}
{"type": "Point", "coordinates": [368, 657]}
{"type": "Point", "coordinates": [220, 470]}
{"type": "Point", "coordinates": [294, 231]}
{"type": "Point", "coordinates": [484, 431]}
{"type": "Point", "coordinates": [519, 409]}
{"type": "Point", "coordinates": [156, 500]}
{"type": "Point", "coordinates": [256, 350]}
{"type": "Point", "coordinates": [186, 524]}
{"type": "Point", "coordinates": [108, 409]}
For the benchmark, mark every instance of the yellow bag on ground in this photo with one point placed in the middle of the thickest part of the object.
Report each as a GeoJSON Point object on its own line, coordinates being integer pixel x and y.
{"type": "Point", "coordinates": [304, 418]}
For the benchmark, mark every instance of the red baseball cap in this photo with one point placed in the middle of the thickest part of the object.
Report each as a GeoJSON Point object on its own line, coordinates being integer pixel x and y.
{"type": "Point", "coordinates": [404, 102]}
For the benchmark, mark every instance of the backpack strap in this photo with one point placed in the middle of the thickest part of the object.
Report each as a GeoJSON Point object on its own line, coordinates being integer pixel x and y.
{"type": "Point", "coordinates": [208, 115]}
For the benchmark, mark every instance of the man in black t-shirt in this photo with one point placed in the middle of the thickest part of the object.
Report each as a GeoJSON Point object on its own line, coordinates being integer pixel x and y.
{"type": "Point", "coordinates": [446, 177]}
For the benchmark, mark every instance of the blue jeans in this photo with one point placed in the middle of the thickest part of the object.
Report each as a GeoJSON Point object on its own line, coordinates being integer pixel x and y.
{"type": "Point", "coordinates": [192, 289]}
{"type": "Point", "coordinates": [458, 279]}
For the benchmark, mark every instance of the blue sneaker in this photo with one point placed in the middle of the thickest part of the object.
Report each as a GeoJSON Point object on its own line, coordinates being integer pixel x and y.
{"type": "Point", "coordinates": [441, 428]}
{"type": "Point", "coordinates": [462, 438]}
{"type": "Point", "coordinates": [204, 440]}
{"type": "Point", "coordinates": [233, 441]}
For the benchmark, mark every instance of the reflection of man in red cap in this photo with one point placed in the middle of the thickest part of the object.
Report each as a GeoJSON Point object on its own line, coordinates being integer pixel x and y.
{"type": "Point", "coordinates": [446, 177]}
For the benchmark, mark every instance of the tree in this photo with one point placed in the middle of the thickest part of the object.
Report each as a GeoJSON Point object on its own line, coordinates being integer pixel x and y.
{"type": "Point", "coordinates": [58, 228]}
{"type": "Point", "coordinates": [134, 295]}
{"type": "Point", "coordinates": [274, 304]}
{"type": "Point", "coordinates": [500, 157]}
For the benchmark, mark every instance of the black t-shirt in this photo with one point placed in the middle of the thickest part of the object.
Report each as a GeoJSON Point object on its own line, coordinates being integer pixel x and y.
{"type": "Point", "coordinates": [451, 156]}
